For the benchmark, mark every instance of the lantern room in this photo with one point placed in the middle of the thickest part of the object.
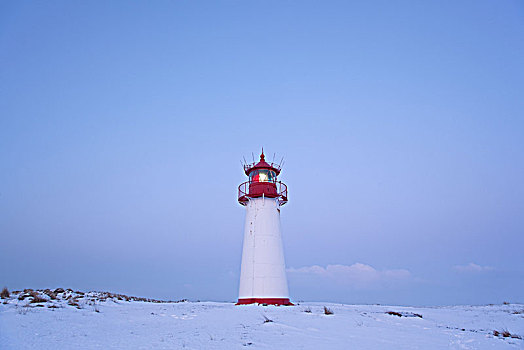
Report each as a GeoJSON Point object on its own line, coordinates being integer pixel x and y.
{"type": "Point", "coordinates": [262, 182]}
{"type": "Point", "coordinates": [262, 175]}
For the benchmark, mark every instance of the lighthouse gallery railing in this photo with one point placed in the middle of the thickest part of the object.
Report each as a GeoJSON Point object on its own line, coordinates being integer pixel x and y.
{"type": "Point", "coordinates": [243, 192]}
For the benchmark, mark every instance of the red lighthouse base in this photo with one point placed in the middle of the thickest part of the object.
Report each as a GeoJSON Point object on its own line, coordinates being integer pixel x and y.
{"type": "Point", "coordinates": [268, 301]}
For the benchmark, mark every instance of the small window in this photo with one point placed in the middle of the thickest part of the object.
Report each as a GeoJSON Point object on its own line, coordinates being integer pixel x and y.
{"type": "Point", "coordinates": [272, 176]}
{"type": "Point", "coordinates": [253, 176]}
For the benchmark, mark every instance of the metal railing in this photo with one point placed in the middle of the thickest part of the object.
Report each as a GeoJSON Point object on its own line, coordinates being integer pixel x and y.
{"type": "Point", "coordinates": [281, 192]}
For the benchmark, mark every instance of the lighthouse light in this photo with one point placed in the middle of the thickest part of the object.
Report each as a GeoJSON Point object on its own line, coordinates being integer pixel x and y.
{"type": "Point", "coordinates": [262, 175]}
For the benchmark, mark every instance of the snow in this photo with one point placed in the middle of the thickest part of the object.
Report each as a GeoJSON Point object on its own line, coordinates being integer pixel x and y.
{"type": "Point", "coordinates": [102, 321]}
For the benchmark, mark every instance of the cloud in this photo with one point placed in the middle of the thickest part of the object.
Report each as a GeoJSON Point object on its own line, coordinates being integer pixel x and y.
{"type": "Point", "coordinates": [471, 267]}
{"type": "Point", "coordinates": [358, 275]}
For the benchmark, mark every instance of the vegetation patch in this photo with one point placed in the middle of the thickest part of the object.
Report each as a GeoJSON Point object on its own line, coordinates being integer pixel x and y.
{"type": "Point", "coordinates": [328, 311]}
{"type": "Point", "coordinates": [506, 334]}
{"type": "Point", "coordinates": [38, 299]}
{"type": "Point", "coordinates": [4, 294]}
{"type": "Point", "coordinates": [403, 314]}
{"type": "Point", "coordinates": [267, 320]}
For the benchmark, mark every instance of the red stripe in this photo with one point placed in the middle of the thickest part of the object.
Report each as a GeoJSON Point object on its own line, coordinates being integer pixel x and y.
{"type": "Point", "coordinates": [269, 301]}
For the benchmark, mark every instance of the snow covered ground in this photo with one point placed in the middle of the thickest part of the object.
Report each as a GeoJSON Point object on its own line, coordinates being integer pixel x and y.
{"type": "Point", "coordinates": [70, 320]}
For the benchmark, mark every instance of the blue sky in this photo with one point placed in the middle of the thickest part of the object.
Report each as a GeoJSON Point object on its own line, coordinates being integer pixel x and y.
{"type": "Point", "coordinates": [122, 125]}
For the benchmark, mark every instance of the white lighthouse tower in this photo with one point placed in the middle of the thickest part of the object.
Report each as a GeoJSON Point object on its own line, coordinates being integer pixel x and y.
{"type": "Point", "coordinates": [263, 272]}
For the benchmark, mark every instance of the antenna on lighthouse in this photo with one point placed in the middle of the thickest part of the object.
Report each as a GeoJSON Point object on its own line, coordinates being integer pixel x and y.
{"type": "Point", "coordinates": [253, 156]}
{"type": "Point", "coordinates": [280, 164]}
{"type": "Point", "coordinates": [273, 161]}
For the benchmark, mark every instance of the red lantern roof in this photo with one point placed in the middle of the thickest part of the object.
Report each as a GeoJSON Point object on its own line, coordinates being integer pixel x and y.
{"type": "Point", "coordinates": [262, 164]}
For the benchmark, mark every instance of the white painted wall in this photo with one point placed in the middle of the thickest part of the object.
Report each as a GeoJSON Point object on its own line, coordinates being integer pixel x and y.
{"type": "Point", "coordinates": [263, 271]}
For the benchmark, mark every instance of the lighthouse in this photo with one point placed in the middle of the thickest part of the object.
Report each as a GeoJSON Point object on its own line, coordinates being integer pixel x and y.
{"type": "Point", "coordinates": [263, 270]}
